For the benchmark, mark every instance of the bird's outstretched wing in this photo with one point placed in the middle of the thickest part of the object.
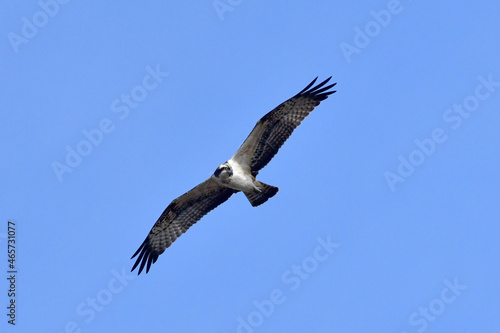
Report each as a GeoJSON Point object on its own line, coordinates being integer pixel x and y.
{"type": "Point", "coordinates": [275, 128]}
{"type": "Point", "coordinates": [181, 214]}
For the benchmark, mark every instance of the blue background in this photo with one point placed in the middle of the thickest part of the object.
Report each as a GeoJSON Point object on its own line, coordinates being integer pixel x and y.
{"type": "Point", "coordinates": [400, 244]}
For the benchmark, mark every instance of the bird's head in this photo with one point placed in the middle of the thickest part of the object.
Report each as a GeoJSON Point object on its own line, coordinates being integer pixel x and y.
{"type": "Point", "coordinates": [223, 171]}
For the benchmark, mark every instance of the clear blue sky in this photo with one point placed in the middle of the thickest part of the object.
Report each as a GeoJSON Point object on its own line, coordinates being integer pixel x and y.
{"type": "Point", "coordinates": [387, 216]}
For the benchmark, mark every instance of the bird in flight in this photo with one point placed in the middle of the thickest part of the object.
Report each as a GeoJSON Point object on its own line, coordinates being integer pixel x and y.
{"type": "Point", "coordinates": [236, 175]}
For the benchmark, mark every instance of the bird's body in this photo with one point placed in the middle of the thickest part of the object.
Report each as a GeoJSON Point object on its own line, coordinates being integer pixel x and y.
{"type": "Point", "coordinates": [242, 180]}
{"type": "Point", "coordinates": [237, 178]}
{"type": "Point", "coordinates": [238, 174]}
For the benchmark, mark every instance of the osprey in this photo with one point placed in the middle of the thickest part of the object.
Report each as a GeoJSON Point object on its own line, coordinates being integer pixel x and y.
{"type": "Point", "coordinates": [236, 175]}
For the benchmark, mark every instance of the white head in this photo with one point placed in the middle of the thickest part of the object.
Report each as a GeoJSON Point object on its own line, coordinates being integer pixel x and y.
{"type": "Point", "coordinates": [223, 172]}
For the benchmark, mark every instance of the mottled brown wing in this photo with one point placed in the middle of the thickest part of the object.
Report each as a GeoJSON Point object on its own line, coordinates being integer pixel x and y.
{"type": "Point", "coordinates": [275, 128]}
{"type": "Point", "coordinates": [181, 214]}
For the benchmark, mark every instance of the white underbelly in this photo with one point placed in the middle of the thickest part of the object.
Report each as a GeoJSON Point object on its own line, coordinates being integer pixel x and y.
{"type": "Point", "coordinates": [240, 180]}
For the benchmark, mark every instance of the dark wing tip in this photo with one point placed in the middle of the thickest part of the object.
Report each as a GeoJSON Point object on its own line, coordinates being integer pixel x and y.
{"type": "Point", "coordinates": [146, 255]}
{"type": "Point", "coordinates": [317, 92]}
{"type": "Point", "coordinates": [308, 86]}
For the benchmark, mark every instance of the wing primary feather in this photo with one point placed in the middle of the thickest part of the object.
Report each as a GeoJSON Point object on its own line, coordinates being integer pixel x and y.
{"type": "Point", "coordinates": [317, 87]}
{"type": "Point", "coordinates": [317, 92]}
{"type": "Point", "coordinates": [320, 95]}
{"type": "Point", "coordinates": [139, 249]}
{"type": "Point", "coordinates": [143, 262]}
{"type": "Point", "coordinates": [135, 265]}
{"type": "Point", "coordinates": [321, 84]}
{"type": "Point", "coordinates": [141, 255]}
{"type": "Point", "coordinates": [308, 86]}
{"type": "Point", "coordinates": [150, 261]}
{"type": "Point", "coordinates": [146, 256]}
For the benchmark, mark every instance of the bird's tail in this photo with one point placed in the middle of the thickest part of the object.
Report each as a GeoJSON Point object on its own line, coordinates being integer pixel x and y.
{"type": "Point", "coordinates": [258, 198]}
